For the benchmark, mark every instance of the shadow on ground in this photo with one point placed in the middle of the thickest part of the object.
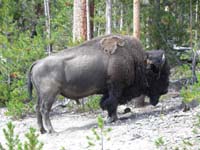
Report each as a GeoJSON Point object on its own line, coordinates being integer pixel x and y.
{"type": "Point", "coordinates": [165, 107]}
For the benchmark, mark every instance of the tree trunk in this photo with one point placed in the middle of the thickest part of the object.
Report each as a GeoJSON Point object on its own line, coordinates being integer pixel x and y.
{"type": "Point", "coordinates": [79, 20]}
{"type": "Point", "coordinates": [136, 18]}
{"type": "Point", "coordinates": [191, 24]}
{"type": "Point", "coordinates": [121, 23]}
{"type": "Point", "coordinates": [114, 12]}
{"type": "Point", "coordinates": [139, 101]}
{"type": "Point", "coordinates": [48, 25]}
{"type": "Point", "coordinates": [91, 18]}
{"type": "Point", "coordinates": [98, 27]}
{"type": "Point", "coordinates": [196, 20]}
{"type": "Point", "coordinates": [108, 16]}
{"type": "Point", "coordinates": [88, 19]}
{"type": "Point", "coordinates": [84, 21]}
{"type": "Point", "coordinates": [194, 49]}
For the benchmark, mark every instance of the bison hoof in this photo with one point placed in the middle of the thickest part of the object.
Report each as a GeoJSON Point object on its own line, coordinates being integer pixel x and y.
{"type": "Point", "coordinates": [111, 119]}
{"type": "Point", "coordinates": [43, 131]}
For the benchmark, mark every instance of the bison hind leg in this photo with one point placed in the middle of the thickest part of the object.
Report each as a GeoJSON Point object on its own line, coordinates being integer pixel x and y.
{"type": "Point", "coordinates": [39, 120]}
{"type": "Point", "coordinates": [39, 115]}
{"type": "Point", "coordinates": [45, 109]}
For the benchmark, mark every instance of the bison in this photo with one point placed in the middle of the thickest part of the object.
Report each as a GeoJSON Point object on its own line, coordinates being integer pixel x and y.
{"type": "Point", "coordinates": [115, 66]}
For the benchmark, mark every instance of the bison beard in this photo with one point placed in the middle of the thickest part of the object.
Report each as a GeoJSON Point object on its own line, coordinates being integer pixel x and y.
{"type": "Point", "coordinates": [115, 66]}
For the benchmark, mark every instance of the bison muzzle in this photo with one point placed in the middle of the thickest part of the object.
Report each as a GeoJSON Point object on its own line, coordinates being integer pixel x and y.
{"type": "Point", "coordinates": [115, 66]}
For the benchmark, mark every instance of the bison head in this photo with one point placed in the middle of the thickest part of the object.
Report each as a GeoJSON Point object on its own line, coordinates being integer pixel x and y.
{"type": "Point", "coordinates": [157, 74]}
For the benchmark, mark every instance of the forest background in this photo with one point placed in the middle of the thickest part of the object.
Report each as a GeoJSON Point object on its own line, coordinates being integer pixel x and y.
{"type": "Point", "coordinates": [32, 29]}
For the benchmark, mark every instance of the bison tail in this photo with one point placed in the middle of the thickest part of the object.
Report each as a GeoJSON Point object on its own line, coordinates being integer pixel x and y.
{"type": "Point", "coordinates": [30, 84]}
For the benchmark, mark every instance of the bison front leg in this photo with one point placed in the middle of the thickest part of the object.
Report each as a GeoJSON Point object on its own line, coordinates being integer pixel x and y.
{"type": "Point", "coordinates": [109, 102]}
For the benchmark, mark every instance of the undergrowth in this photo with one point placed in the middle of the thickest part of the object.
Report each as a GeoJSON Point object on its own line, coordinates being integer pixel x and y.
{"type": "Point", "coordinates": [100, 135]}
{"type": "Point", "coordinates": [14, 143]}
{"type": "Point", "coordinates": [191, 92]}
{"type": "Point", "coordinates": [93, 102]}
{"type": "Point", "coordinates": [180, 72]}
{"type": "Point", "coordinates": [88, 104]}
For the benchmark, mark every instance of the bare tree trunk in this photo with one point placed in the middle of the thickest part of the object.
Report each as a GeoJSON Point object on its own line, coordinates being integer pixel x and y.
{"type": "Point", "coordinates": [196, 20]}
{"type": "Point", "coordinates": [139, 101]}
{"type": "Point", "coordinates": [136, 18]}
{"type": "Point", "coordinates": [48, 25]}
{"type": "Point", "coordinates": [84, 20]}
{"type": "Point", "coordinates": [114, 12]}
{"type": "Point", "coordinates": [79, 20]}
{"type": "Point", "coordinates": [194, 49]}
{"type": "Point", "coordinates": [108, 16]}
{"type": "Point", "coordinates": [191, 24]}
{"type": "Point", "coordinates": [121, 24]}
{"type": "Point", "coordinates": [76, 20]}
{"type": "Point", "coordinates": [91, 18]}
{"type": "Point", "coordinates": [194, 77]}
{"type": "Point", "coordinates": [88, 19]}
{"type": "Point", "coordinates": [98, 26]}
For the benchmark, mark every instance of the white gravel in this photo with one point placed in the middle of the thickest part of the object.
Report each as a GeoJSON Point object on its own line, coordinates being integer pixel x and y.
{"type": "Point", "coordinates": [137, 130]}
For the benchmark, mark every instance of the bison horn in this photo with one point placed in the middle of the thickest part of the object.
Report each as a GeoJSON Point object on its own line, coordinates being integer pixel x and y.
{"type": "Point", "coordinates": [162, 64]}
{"type": "Point", "coordinates": [163, 60]}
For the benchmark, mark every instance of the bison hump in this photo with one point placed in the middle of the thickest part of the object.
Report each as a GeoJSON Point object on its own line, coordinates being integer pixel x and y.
{"type": "Point", "coordinates": [110, 44]}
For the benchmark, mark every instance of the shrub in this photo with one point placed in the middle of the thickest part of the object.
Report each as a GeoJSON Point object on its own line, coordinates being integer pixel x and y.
{"type": "Point", "coordinates": [99, 134]}
{"type": "Point", "coordinates": [17, 109]}
{"type": "Point", "coordinates": [191, 92]}
{"type": "Point", "coordinates": [13, 142]}
{"type": "Point", "coordinates": [32, 142]}
{"type": "Point", "coordinates": [16, 58]}
{"type": "Point", "coordinates": [159, 142]}
{"type": "Point", "coordinates": [90, 103]}
{"type": "Point", "coordinates": [93, 102]}
{"type": "Point", "coordinates": [182, 71]}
